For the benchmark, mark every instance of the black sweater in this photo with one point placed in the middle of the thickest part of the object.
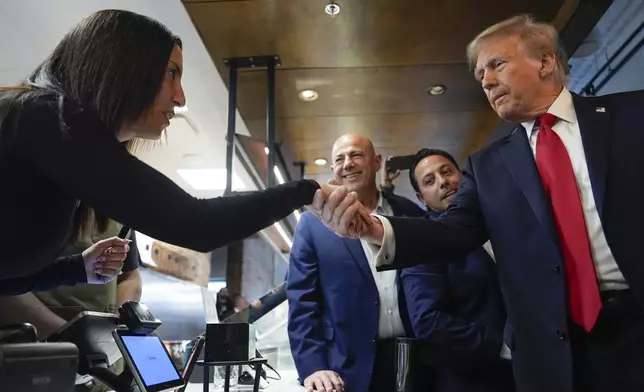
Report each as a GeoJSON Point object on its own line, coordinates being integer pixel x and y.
{"type": "Point", "coordinates": [45, 170]}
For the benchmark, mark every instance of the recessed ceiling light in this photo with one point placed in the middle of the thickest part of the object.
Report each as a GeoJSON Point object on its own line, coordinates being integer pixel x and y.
{"type": "Point", "coordinates": [438, 89]}
{"type": "Point", "coordinates": [332, 9]}
{"type": "Point", "coordinates": [320, 161]}
{"type": "Point", "coordinates": [308, 95]}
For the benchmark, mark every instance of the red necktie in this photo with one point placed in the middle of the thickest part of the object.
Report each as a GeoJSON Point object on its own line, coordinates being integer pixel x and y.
{"type": "Point", "coordinates": [560, 185]}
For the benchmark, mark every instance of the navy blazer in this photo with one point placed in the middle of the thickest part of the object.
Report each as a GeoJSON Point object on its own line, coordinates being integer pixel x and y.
{"type": "Point", "coordinates": [334, 302]}
{"type": "Point", "coordinates": [457, 310]}
{"type": "Point", "coordinates": [502, 199]}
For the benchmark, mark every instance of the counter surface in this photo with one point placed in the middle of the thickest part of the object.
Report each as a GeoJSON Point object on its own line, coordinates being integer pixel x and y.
{"type": "Point", "coordinates": [288, 383]}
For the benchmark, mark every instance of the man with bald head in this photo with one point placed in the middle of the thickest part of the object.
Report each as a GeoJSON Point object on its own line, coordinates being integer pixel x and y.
{"type": "Point", "coordinates": [343, 315]}
{"type": "Point", "coordinates": [355, 164]}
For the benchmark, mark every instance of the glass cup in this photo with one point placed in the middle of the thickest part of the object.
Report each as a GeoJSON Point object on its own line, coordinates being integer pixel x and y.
{"type": "Point", "coordinates": [219, 375]}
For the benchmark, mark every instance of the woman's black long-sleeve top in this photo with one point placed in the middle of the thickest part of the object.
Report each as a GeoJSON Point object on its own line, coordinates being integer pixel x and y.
{"type": "Point", "coordinates": [45, 170]}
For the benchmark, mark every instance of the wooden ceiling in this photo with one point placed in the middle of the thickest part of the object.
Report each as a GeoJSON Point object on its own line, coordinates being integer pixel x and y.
{"type": "Point", "coordinates": [371, 65]}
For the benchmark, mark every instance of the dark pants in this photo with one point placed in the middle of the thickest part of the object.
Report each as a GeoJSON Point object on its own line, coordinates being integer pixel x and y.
{"type": "Point", "coordinates": [384, 369]}
{"type": "Point", "coordinates": [486, 376]}
{"type": "Point", "coordinates": [611, 357]}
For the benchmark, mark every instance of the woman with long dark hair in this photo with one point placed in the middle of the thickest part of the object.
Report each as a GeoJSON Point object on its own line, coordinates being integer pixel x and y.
{"type": "Point", "coordinates": [66, 136]}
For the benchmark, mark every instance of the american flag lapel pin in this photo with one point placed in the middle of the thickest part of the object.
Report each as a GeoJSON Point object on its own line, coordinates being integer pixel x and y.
{"type": "Point", "coordinates": [600, 109]}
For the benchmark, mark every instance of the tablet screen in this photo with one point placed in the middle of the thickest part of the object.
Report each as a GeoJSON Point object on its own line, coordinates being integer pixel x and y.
{"type": "Point", "coordinates": [152, 362]}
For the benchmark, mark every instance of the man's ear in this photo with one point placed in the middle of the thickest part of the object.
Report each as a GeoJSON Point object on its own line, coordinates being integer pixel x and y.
{"type": "Point", "coordinates": [378, 160]}
{"type": "Point", "coordinates": [548, 65]}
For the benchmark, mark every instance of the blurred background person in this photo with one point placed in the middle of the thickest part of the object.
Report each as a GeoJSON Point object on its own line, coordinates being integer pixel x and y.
{"type": "Point", "coordinates": [240, 302]}
{"type": "Point", "coordinates": [224, 304]}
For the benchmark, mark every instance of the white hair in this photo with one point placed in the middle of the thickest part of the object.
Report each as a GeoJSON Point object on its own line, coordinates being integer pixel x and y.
{"type": "Point", "coordinates": [537, 38]}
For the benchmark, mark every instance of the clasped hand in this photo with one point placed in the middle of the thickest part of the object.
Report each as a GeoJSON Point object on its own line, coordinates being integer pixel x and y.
{"type": "Point", "coordinates": [341, 211]}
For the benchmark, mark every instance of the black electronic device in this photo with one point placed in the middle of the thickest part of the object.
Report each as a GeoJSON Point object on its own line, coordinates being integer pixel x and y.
{"type": "Point", "coordinates": [229, 342]}
{"type": "Point", "coordinates": [138, 318]}
{"type": "Point", "coordinates": [124, 232]}
{"type": "Point", "coordinates": [29, 366]}
{"type": "Point", "coordinates": [18, 333]}
{"type": "Point", "coordinates": [191, 363]}
{"type": "Point", "coordinates": [148, 360]}
{"type": "Point", "coordinates": [400, 162]}
{"type": "Point", "coordinates": [91, 332]}
{"type": "Point", "coordinates": [248, 378]}
{"type": "Point", "coordinates": [38, 367]}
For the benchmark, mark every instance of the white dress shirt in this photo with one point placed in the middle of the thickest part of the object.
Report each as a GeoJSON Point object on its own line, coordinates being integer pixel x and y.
{"type": "Point", "coordinates": [390, 324]}
{"type": "Point", "coordinates": [567, 128]}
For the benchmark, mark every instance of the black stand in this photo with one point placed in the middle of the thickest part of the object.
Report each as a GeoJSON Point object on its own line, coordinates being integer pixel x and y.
{"type": "Point", "coordinates": [123, 382]}
{"type": "Point", "coordinates": [257, 362]}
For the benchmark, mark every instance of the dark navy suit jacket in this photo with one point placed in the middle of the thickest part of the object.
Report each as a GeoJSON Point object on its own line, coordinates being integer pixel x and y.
{"type": "Point", "coordinates": [334, 302]}
{"type": "Point", "coordinates": [502, 199]}
{"type": "Point", "coordinates": [457, 310]}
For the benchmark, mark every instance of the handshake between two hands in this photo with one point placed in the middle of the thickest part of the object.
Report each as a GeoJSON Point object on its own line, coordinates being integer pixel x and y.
{"type": "Point", "coordinates": [342, 212]}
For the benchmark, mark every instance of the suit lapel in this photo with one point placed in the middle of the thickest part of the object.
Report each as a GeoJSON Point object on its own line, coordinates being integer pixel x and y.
{"type": "Point", "coordinates": [396, 208]}
{"type": "Point", "coordinates": [519, 159]}
{"type": "Point", "coordinates": [594, 124]}
{"type": "Point", "coordinates": [355, 248]}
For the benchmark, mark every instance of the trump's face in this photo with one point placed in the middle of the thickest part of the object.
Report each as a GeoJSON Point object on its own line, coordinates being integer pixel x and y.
{"type": "Point", "coordinates": [512, 80]}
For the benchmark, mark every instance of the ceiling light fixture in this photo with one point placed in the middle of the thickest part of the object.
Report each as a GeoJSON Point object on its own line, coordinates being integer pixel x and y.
{"type": "Point", "coordinates": [308, 95]}
{"type": "Point", "coordinates": [332, 9]}
{"type": "Point", "coordinates": [320, 161]}
{"type": "Point", "coordinates": [278, 175]}
{"type": "Point", "coordinates": [438, 89]}
{"type": "Point", "coordinates": [209, 179]}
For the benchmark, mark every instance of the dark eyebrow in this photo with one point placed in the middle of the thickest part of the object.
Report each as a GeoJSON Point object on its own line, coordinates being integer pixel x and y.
{"type": "Point", "coordinates": [178, 67]}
